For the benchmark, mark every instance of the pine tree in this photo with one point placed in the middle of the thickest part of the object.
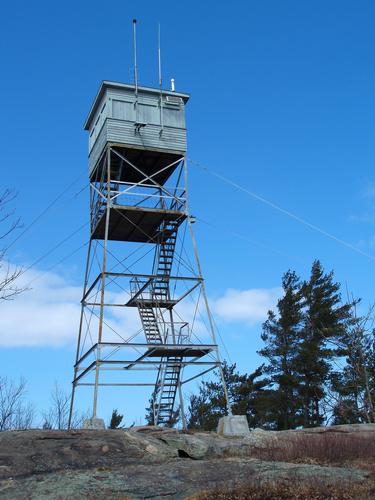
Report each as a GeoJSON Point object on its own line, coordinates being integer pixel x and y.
{"type": "Point", "coordinates": [282, 336]}
{"type": "Point", "coordinates": [209, 404]}
{"type": "Point", "coordinates": [206, 407]}
{"type": "Point", "coordinates": [149, 417]}
{"type": "Point", "coordinates": [116, 420]}
{"type": "Point", "coordinates": [324, 321]}
{"type": "Point", "coordinates": [176, 417]}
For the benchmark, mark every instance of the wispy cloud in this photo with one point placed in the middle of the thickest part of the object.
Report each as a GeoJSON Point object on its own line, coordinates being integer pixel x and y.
{"type": "Point", "coordinates": [45, 315]}
{"type": "Point", "coordinates": [369, 191]}
{"type": "Point", "coordinates": [367, 217]}
{"type": "Point", "coordinates": [366, 213]}
{"type": "Point", "coordinates": [248, 306]}
{"type": "Point", "coordinates": [367, 243]}
{"type": "Point", "coordinates": [48, 314]}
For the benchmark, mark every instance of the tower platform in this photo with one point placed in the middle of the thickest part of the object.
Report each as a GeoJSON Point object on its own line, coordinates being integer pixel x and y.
{"type": "Point", "coordinates": [181, 350]}
{"type": "Point", "coordinates": [137, 224]}
{"type": "Point", "coordinates": [161, 303]}
{"type": "Point", "coordinates": [158, 350]}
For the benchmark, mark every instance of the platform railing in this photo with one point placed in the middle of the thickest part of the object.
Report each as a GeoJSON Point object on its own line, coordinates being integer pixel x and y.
{"type": "Point", "coordinates": [149, 198]}
{"type": "Point", "coordinates": [146, 200]}
{"type": "Point", "coordinates": [145, 289]}
{"type": "Point", "coordinates": [175, 332]}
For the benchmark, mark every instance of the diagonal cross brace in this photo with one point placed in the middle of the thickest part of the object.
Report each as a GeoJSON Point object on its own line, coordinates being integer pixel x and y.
{"type": "Point", "coordinates": [162, 188]}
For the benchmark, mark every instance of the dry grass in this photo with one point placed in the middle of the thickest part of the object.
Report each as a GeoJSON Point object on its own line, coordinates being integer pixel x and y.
{"type": "Point", "coordinates": [291, 491]}
{"type": "Point", "coordinates": [328, 449]}
{"type": "Point", "coordinates": [324, 449]}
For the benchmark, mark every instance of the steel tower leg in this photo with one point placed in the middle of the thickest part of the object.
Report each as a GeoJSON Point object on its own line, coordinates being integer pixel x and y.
{"type": "Point", "coordinates": [79, 335]}
{"type": "Point", "coordinates": [212, 328]}
{"type": "Point", "coordinates": [103, 279]}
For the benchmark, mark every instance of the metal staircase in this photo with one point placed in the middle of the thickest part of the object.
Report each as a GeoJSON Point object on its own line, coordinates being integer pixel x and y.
{"type": "Point", "coordinates": [167, 381]}
{"type": "Point", "coordinates": [151, 297]}
{"type": "Point", "coordinates": [149, 323]}
{"type": "Point", "coordinates": [164, 260]}
{"type": "Point", "coordinates": [166, 390]}
{"type": "Point", "coordinates": [169, 374]}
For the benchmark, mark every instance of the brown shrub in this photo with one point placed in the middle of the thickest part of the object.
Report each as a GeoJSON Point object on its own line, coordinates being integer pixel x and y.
{"type": "Point", "coordinates": [326, 448]}
{"type": "Point", "coordinates": [291, 491]}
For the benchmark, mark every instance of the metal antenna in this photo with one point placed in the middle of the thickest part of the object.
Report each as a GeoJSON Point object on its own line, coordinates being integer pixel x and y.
{"type": "Point", "coordinates": [160, 83]}
{"type": "Point", "coordinates": [159, 60]}
{"type": "Point", "coordinates": [135, 56]}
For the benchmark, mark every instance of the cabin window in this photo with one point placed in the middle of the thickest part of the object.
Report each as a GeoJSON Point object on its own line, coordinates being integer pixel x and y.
{"type": "Point", "coordinates": [172, 102]}
{"type": "Point", "coordinates": [122, 110]}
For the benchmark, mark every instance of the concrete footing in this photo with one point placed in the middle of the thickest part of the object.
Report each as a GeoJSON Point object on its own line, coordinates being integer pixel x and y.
{"type": "Point", "coordinates": [94, 423]}
{"type": "Point", "coordinates": [233, 425]}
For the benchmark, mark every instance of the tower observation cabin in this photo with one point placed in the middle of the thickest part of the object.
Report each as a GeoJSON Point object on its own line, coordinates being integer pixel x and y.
{"type": "Point", "coordinates": [145, 319]}
{"type": "Point", "coordinates": [144, 127]}
{"type": "Point", "coordinates": [145, 123]}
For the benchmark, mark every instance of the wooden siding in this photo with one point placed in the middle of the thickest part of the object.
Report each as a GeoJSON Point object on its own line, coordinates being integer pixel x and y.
{"type": "Point", "coordinates": [123, 132]}
{"type": "Point", "coordinates": [116, 116]}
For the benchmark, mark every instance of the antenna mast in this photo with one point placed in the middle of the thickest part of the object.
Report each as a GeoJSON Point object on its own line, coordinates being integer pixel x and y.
{"type": "Point", "coordinates": [160, 83]}
{"type": "Point", "coordinates": [135, 68]}
{"type": "Point", "coordinates": [135, 56]}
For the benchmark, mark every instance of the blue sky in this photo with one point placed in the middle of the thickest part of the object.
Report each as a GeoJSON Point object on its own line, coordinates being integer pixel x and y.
{"type": "Point", "coordinates": [282, 103]}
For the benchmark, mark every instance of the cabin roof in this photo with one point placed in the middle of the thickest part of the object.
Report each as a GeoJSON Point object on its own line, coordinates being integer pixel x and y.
{"type": "Point", "coordinates": [116, 85]}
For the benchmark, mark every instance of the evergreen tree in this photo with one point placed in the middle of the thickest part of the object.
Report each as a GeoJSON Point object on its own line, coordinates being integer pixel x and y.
{"type": "Point", "coordinates": [324, 321]}
{"type": "Point", "coordinates": [149, 417]}
{"type": "Point", "coordinates": [209, 404]}
{"type": "Point", "coordinates": [282, 336]}
{"type": "Point", "coordinates": [116, 420]}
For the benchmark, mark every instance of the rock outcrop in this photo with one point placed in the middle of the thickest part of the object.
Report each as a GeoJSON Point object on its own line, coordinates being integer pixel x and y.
{"type": "Point", "coordinates": [148, 462]}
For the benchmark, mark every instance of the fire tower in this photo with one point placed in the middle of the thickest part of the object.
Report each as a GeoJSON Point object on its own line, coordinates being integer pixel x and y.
{"type": "Point", "coordinates": [145, 319]}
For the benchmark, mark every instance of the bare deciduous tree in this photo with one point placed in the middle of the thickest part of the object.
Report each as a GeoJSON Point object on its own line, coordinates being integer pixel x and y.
{"type": "Point", "coordinates": [57, 416]}
{"type": "Point", "coordinates": [8, 274]}
{"type": "Point", "coordinates": [15, 411]}
{"type": "Point", "coordinates": [353, 394]}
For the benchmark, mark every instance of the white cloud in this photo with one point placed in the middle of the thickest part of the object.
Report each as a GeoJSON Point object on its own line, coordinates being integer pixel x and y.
{"type": "Point", "coordinates": [249, 306]}
{"type": "Point", "coordinates": [369, 191]}
{"type": "Point", "coordinates": [366, 214]}
{"type": "Point", "coordinates": [365, 244]}
{"type": "Point", "coordinates": [362, 218]}
{"type": "Point", "coordinates": [48, 314]}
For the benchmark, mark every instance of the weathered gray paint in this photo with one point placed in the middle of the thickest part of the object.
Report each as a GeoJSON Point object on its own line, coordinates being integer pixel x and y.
{"type": "Point", "coordinates": [114, 115]}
